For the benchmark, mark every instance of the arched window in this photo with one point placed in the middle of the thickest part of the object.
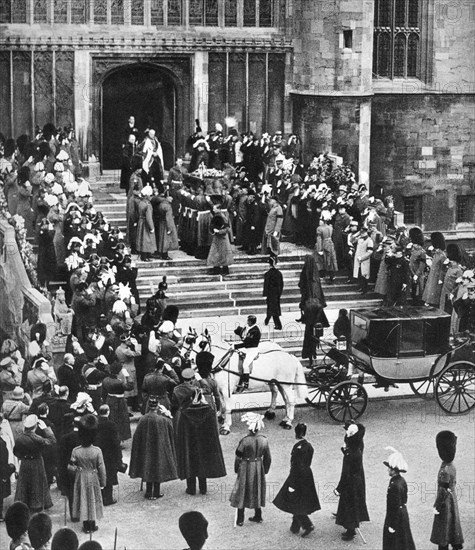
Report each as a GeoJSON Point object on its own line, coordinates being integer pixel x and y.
{"type": "Point", "coordinates": [40, 11]}
{"type": "Point", "coordinates": [230, 13]}
{"type": "Point", "coordinates": [78, 12]}
{"type": "Point", "coordinates": [156, 12]}
{"type": "Point", "coordinates": [117, 12]}
{"type": "Point", "coordinates": [137, 12]}
{"type": "Point", "coordinates": [397, 38]}
{"type": "Point", "coordinates": [265, 13]}
{"type": "Point", "coordinates": [100, 12]}
{"type": "Point", "coordinates": [249, 15]}
{"type": "Point", "coordinates": [60, 11]}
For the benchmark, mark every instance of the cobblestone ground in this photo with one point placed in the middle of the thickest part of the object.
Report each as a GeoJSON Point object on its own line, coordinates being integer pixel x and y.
{"type": "Point", "coordinates": [410, 425]}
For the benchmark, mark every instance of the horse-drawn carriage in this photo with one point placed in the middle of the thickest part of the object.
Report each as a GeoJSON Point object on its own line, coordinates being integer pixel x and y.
{"type": "Point", "coordinates": [396, 345]}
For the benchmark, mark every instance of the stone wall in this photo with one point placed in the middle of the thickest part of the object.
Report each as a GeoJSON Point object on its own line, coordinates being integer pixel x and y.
{"type": "Point", "coordinates": [423, 145]}
{"type": "Point", "coordinates": [322, 65]}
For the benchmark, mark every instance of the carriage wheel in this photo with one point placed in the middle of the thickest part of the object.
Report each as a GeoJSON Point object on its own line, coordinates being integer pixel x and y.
{"type": "Point", "coordinates": [347, 400]}
{"type": "Point", "coordinates": [455, 388]}
{"type": "Point", "coordinates": [319, 381]}
{"type": "Point", "coordinates": [423, 388]}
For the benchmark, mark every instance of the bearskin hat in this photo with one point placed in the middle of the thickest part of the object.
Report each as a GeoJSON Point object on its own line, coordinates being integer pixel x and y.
{"type": "Point", "coordinates": [204, 363]}
{"type": "Point", "coordinates": [454, 253]}
{"type": "Point", "coordinates": [65, 539]}
{"type": "Point", "coordinates": [170, 313]}
{"type": "Point", "coordinates": [446, 442]}
{"type": "Point", "coordinates": [437, 240]}
{"type": "Point", "coordinates": [39, 529]}
{"type": "Point", "coordinates": [16, 519]}
{"type": "Point", "coordinates": [416, 236]}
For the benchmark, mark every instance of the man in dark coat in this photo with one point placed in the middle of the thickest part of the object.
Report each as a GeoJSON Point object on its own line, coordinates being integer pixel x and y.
{"type": "Point", "coordinates": [465, 308]}
{"type": "Point", "coordinates": [126, 168]}
{"type": "Point", "coordinates": [153, 456]}
{"type": "Point", "coordinates": [60, 413]}
{"type": "Point", "coordinates": [397, 530]}
{"type": "Point", "coordinates": [199, 453]}
{"type": "Point", "coordinates": [108, 440]}
{"type": "Point", "coordinates": [250, 336]}
{"type": "Point", "coordinates": [68, 376]}
{"type": "Point", "coordinates": [273, 287]}
{"type": "Point", "coordinates": [298, 495]}
{"type": "Point", "coordinates": [65, 448]}
{"type": "Point", "coordinates": [446, 528]}
{"type": "Point", "coordinates": [352, 487]}
{"type": "Point", "coordinates": [253, 226]}
{"type": "Point", "coordinates": [399, 278]}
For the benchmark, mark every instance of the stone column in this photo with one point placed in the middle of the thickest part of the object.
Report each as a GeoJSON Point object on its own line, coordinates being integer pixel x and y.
{"type": "Point", "coordinates": [201, 88]}
{"type": "Point", "coordinates": [364, 141]}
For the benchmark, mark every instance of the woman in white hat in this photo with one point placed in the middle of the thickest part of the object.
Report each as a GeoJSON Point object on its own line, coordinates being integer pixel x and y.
{"type": "Point", "coordinates": [252, 463]}
{"type": "Point", "coordinates": [397, 530]}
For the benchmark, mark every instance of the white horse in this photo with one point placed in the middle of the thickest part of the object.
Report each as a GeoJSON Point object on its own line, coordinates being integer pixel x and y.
{"type": "Point", "coordinates": [273, 367]}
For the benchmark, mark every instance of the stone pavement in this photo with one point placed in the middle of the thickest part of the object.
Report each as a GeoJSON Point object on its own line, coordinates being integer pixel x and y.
{"type": "Point", "coordinates": [410, 425]}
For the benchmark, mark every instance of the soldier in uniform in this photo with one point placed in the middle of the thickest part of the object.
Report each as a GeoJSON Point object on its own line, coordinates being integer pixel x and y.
{"type": "Point", "coordinates": [272, 229]}
{"type": "Point", "coordinates": [273, 287]}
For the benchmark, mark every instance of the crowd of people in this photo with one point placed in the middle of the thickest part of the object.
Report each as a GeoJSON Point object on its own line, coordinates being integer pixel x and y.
{"type": "Point", "coordinates": [66, 424]}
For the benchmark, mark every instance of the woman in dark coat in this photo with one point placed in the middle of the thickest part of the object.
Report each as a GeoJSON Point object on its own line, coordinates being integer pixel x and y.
{"type": "Point", "coordinates": [273, 287]}
{"type": "Point", "coordinates": [313, 313]}
{"type": "Point", "coordinates": [352, 487]}
{"type": "Point", "coordinates": [114, 388]}
{"type": "Point", "coordinates": [446, 528]}
{"type": "Point", "coordinates": [397, 530]}
{"type": "Point", "coordinates": [309, 283]}
{"type": "Point", "coordinates": [298, 495]}
{"type": "Point", "coordinates": [46, 253]}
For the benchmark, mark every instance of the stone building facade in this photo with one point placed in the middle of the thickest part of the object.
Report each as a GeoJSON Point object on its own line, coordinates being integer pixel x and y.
{"type": "Point", "coordinates": [386, 84]}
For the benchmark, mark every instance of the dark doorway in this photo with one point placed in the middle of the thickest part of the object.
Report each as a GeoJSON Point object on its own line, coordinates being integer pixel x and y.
{"type": "Point", "coordinates": [146, 92]}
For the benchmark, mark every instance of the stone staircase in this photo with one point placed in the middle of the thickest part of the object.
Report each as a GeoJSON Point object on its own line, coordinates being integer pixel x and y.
{"type": "Point", "coordinates": [199, 294]}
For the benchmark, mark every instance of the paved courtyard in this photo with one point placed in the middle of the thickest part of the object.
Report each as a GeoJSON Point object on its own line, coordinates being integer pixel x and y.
{"type": "Point", "coordinates": [408, 424]}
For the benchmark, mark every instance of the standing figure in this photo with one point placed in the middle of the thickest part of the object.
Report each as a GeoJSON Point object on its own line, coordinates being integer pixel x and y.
{"type": "Point", "coordinates": [453, 273]}
{"type": "Point", "coordinates": [352, 487]}
{"type": "Point", "coordinates": [272, 229]}
{"type": "Point", "coordinates": [435, 279]}
{"type": "Point", "coordinates": [310, 285]}
{"type": "Point", "coordinates": [397, 530]}
{"type": "Point", "coordinates": [464, 304]}
{"type": "Point", "coordinates": [446, 528]}
{"type": "Point", "coordinates": [128, 153]}
{"type": "Point", "coordinates": [46, 253]}
{"type": "Point", "coordinates": [152, 155]}
{"type": "Point", "coordinates": [273, 287]}
{"type": "Point", "coordinates": [6, 469]}
{"type": "Point", "coordinates": [313, 315]}
{"type": "Point", "coordinates": [145, 240]}
{"type": "Point", "coordinates": [153, 457]}
{"type": "Point", "coordinates": [108, 441]}
{"type": "Point", "coordinates": [167, 238]}
{"type": "Point", "coordinates": [298, 496]}
{"type": "Point", "coordinates": [114, 389]}
{"type": "Point", "coordinates": [32, 486]}
{"type": "Point", "coordinates": [88, 466]}
{"type": "Point", "coordinates": [417, 264]}
{"type": "Point", "coordinates": [199, 453]}
{"type": "Point", "coordinates": [252, 230]}
{"type": "Point", "coordinates": [220, 255]}
{"type": "Point", "coordinates": [399, 278]}
{"type": "Point", "coordinates": [326, 255]}
{"type": "Point", "coordinates": [252, 464]}
{"type": "Point", "coordinates": [361, 266]}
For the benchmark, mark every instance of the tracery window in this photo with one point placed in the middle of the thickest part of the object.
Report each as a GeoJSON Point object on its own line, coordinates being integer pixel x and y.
{"type": "Point", "coordinates": [60, 11]}
{"type": "Point", "coordinates": [230, 13]}
{"type": "Point", "coordinates": [265, 13]}
{"type": "Point", "coordinates": [156, 12]}
{"type": "Point", "coordinates": [78, 12]}
{"type": "Point", "coordinates": [174, 12]}
{"type": "Point", "coordinates": [5, 11]}
{"type": "Point", "coordinates": [117, 12]}
{"type": "Point", "coordinates": [100, 12]}
{"type": "Point", "coordinates": [40, 13]}
{"type": "Point", "coordinates": [249, 16]}
{"type": "Point", "coordinates": [137, 12]}
{"type": "Point", "coordinates": [397, 38]}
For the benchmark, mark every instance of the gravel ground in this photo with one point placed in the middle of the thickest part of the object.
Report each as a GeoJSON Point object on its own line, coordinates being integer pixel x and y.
{"type": "Point", "coordinates": [410, 425]}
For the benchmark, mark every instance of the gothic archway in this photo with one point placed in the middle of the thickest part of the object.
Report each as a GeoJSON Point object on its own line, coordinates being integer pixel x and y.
{"type": "Point", "coordinates": [147, 92]}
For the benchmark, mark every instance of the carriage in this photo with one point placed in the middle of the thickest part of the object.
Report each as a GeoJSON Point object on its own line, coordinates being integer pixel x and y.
{"type": "Point", "coordinates": [395, 345]}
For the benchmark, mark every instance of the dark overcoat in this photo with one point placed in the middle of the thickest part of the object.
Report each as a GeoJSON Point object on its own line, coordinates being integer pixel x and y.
{"type": "Point", "coordinates": [145, 239]}
{"type": "Point", "coordinates": [352, 487]}
{"type": "Point", "coordinates": [252, 463]}
{"type": "Point", "coordinates": [273, 287]}
{"type": "Point", "coordinates": [167, 237]}
{"type": "Point", "coordinates": [108, 441]}
{"type": "Point", "coordinates": [6, 470]}
{"type": "Point", "coordinates": [153, 457]}
{"type": "Point", "coordinates": [198, 448]}
{"type": "Point", "coordinates": [220, 253]}
{"type": "Point", "coordinates": [397, 517]}
{"type": "Point", "coordinates": [433, 288]}
{"type": "Point", "coordinates": [312, 314]}
{"type": "Point", "coordinates": [446, 528]}
{"type": "Point", "coordinates": [309, 282]}
{"type": "Point", "coordinates": [298, 495]}
{"type": "Point", "coordinates": [46, 256]}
